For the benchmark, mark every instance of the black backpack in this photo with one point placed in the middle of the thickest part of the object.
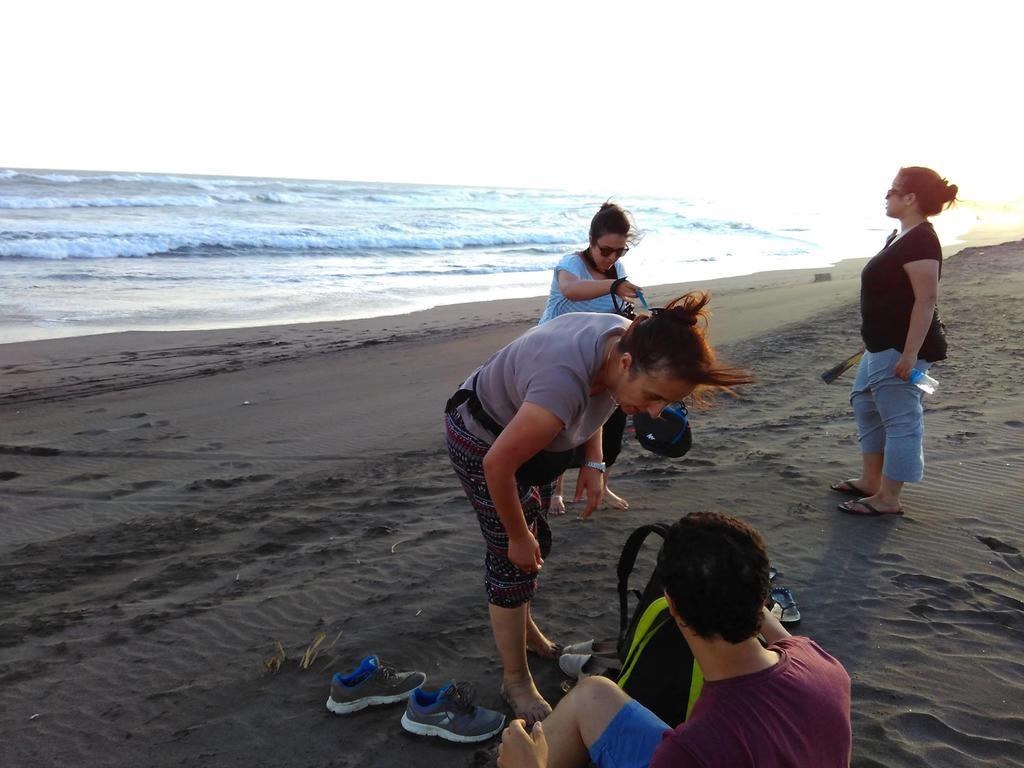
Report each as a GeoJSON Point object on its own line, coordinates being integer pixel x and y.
{"type": "Point", "coordinates": [658, 668]}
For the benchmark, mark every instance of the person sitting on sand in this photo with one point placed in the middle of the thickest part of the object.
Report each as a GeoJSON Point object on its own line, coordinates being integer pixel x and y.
{"type": "Point", "coordinates": [901, 331]}
{"type": "Point", "coordinates": [512, 427]}
{"type": "Point", "coordinates": [584, 282]}
{"type": "Point", "coordinates": [787, 704]}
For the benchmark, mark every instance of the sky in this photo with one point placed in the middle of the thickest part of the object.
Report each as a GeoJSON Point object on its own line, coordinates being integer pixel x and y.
{"type": "Point", "coordinates": [753, 99]}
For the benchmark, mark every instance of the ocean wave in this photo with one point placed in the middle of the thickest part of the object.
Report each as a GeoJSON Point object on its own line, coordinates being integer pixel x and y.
{"type": "Point", "coordinates": [204, 183]}
{"type": "Point", "coordinates": [718, 225]}
{"type": "Point", "coordinates": [371, 192]}
{"type": "Point", "coordinates": [206, 243]}
{"type": "Point", "coordinates": [280, 197]}
{"type": "Point", "coordinates": [16, 202]}
{"type": "Point", "coordinates": [21, 202]}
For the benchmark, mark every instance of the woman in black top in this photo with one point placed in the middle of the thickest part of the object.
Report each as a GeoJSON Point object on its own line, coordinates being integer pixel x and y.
{"type": "Point", "coordinates": [901, 331]}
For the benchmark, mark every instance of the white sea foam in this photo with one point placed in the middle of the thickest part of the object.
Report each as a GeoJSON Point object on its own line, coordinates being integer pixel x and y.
{"type": "Point", "coordinates": [104, 251]}
{"type": "Point", "coordinates": [94, 246]}
{"type": "Point", "coordinates": [280, 197]}
{"type": "Point", "coordinates": [146, 178]}
{"type": "Point", "coordinates": [206, 183]}
{"type": "Point", "coordinates": [14, 202]}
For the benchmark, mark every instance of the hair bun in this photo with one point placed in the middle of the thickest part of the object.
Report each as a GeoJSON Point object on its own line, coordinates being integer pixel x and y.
{"type": "Point", "coordinates": [690, 318]}
{"type": "Point", "coordinates": [951, 192]}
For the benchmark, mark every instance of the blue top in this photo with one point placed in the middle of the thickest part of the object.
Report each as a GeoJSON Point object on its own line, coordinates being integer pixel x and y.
{"type": "Point", "coordinates": [559, 305]}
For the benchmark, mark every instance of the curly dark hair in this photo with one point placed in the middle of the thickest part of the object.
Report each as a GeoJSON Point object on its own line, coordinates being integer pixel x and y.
{"type": "Point", "coordinates": [715, 569]}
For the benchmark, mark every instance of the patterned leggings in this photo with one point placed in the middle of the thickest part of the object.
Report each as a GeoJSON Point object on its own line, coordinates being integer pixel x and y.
{"type": "Point", "coordinates": [507, 586]}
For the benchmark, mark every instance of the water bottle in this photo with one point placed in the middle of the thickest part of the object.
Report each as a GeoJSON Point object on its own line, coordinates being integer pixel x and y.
{"type": "Point", "coordinates": [923, 381]}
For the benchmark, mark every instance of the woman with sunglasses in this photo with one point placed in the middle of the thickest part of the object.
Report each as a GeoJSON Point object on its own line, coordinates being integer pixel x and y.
{"type": "Point", "coordinates": [585, 281]}
{"type": "Point", "coordinates": [514, 424]}
{"type": "Point", "coordinates": [901, 331]}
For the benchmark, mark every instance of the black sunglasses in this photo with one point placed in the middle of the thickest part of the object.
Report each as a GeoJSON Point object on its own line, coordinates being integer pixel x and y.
{"type": "Point", "coordinates": [895, 192]}
{"type": "Point", "coordinates": [607, 251]}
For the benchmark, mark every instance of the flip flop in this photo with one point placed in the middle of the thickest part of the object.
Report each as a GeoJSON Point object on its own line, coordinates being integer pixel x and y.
{"type": "Point", "coordinates": [849, 488]}
{"type": "Point", "coordinates": [787, 613]}
{"type": "Point", "coordinates": [847, 507]}
{"type": "Point", "coordinates": [598, 647]}
{"type": "Point", "coordinates": [772, 573]}
{"type": "Point", "coordinates": [580, 665]}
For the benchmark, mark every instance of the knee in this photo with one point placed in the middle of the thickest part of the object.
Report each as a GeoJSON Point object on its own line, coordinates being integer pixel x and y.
{"type": "Point", "coordinates": [596, 688]}
{"type": "Point", "coordinates": [906, 425]}
{"type": "Point", "coordinates": [594, 702]}
{"type": "Point", "coordinates": [597, 696]}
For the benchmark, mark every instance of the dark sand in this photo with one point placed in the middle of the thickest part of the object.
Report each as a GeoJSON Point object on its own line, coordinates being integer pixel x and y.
{"type": "Point", "coordinates": [174, 504]}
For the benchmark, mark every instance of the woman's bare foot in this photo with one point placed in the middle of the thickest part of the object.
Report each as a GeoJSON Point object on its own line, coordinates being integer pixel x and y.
{"type": "Point", "coordinates": [538, 642]}
{"type": "Point", "coordinates": [614, 501]}
{"type": "Point", "coordinates": [557, 508]}
{"type": "Point", "coordinates": [525, 701]}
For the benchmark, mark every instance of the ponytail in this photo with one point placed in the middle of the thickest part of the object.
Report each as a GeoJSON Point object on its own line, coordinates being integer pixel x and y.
{"type": "Point", "coordinates": [673, 342]}
{"type": "Point", "coordinates": [934, 193]}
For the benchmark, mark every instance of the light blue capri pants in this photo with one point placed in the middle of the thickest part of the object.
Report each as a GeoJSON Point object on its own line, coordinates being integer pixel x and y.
{"type": "Point", "coordinates": [890, 415]}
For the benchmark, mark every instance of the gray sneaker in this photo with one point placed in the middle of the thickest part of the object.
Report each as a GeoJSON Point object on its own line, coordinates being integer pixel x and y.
{"type": "Point", "coordinates": [450, 714]}
{"type": "Point", "coordinates": [373, 682]}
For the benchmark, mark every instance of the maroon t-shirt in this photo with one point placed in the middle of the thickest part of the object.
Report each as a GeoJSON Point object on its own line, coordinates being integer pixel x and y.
{"type": "Point", "coordinates": [795, 713]}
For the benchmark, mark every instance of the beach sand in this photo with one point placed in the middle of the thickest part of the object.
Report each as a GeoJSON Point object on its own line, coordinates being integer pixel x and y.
{"type": "Point", "coordinates": [174, 505]}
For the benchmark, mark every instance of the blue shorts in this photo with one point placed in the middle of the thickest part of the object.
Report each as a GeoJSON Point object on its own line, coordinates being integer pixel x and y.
{"type": "Point", "coordinates": [890, 415]}
{"type": "Point", "coordinates": [630, 739]}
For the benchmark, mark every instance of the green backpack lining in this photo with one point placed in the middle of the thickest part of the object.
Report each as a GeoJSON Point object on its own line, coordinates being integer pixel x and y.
{"type": "Point", "coordinates": [655, 617]}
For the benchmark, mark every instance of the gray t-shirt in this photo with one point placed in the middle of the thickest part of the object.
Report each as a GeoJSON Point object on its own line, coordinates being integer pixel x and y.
{"type": "Point", "coordinates": [552, 366]}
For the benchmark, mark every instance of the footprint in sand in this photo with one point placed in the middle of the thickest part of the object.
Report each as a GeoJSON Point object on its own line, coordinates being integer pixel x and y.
{"type": "Point", "coordinates": [9, 475]}
{"type": "Point", "coordinates": [92, 432]}
{"type": "Point", "coordinates": [219, 483]}
{"type": "Point", "coordinates": [796, 476]}
{"type": "Point", "coordinates": [890, 558]}
{"type": "Point", "coordinates": [29, 450]}
{"type": "Point", "coordinates": [83, 478]}
{"type": "Point", "coordinates": [141, 485]}
{"type": "Point", "coordinates": [998, 546]}
{"type": "Point", "coordinates": [803, 511]}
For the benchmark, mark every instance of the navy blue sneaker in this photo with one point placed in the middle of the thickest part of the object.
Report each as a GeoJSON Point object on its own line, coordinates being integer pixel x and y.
{"type": "Point", "coordinates": [373, 682]}
{"type": "Point", "coordinates": [451, 714]}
